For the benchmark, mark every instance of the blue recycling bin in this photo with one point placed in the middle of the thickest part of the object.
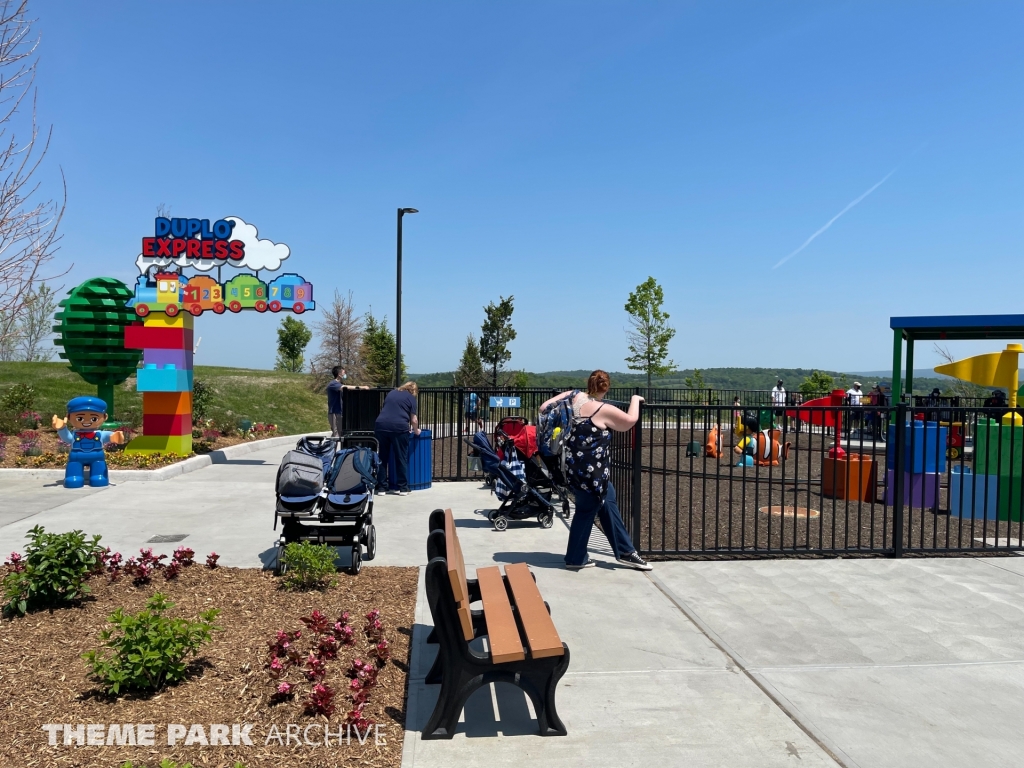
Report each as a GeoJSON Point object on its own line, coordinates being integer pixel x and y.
{"type": "Point", "coordinates": [421, 465]}
{"type": "Point", "coordinates": [929, 447]}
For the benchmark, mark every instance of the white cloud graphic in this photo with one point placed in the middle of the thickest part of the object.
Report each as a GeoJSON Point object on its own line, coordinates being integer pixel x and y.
{"type": "Point", "coordinates": [259, 254]}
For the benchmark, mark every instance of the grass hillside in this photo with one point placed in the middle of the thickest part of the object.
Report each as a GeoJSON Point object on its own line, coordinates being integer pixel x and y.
{"type": "Point", "coordinates": [238, 393]}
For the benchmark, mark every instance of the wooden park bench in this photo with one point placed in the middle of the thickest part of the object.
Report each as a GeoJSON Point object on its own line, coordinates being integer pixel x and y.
{"type": "Point", "coordinates": [523, 646]}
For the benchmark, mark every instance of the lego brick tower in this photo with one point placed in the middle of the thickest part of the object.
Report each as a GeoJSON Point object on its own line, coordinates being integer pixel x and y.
{"type": "Point", "coordinates": [165, 381]}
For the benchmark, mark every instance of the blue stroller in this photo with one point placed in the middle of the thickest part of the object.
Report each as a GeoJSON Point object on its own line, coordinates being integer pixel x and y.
{"type": "Point", "coordinates": [325, 495]}
{"type": "Point", "coordinates": [519, 500]}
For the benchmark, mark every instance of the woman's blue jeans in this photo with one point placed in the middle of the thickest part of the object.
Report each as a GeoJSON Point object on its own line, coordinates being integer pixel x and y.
{"type": "Point", "coordinates": [399, 442]}
{"type": "Point", "coordinates": [589, 506]}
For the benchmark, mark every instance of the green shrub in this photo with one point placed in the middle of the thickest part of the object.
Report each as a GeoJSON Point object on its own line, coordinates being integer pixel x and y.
{"type": "Point", "coordinates": [18, 399]}
{"type": "Point", "coordinates": [202, 399]}
{"type": "Point", "coordinates": [308, 565]}
{"type": "Point", "coordinates": [151, 649]}
{"type": "Point", "coordinates": [52, 571]}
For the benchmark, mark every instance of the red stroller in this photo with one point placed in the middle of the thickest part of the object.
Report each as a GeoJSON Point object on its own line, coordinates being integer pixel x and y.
{"type": "Point", "coordinates": [515, 433]}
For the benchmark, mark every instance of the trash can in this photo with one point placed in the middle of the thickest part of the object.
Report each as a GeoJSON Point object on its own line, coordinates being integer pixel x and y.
{"type": "Point", "coordinates": [421, 466]}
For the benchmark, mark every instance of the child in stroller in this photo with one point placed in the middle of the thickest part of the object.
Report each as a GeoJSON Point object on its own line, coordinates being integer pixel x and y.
{"type": "Point", "coordinates": [519, 500]}
{"type": "Point", "coordinates": [515, 434]}
{"type": "Point", "coordinates": [325, 495]}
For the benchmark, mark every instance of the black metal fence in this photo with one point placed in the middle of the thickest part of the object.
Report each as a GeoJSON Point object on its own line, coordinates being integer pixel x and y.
{"type": "Point", "coordinates": [810, 488]}
{"type": "Point", "coordinates": [954, 483]}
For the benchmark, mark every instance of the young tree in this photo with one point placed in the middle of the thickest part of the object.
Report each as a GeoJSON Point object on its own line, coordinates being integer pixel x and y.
{"type": "Point", "coordinates": [341, 338]}
{"type": "Point", "coordinates": [28, 230]}
{"type": "Point", "coordinates": [470, 372]}
{"type": "Point", "coordinates": [496, 334]}
{"type": "Point", "coordinates": [36, 325]}
{"type": "Point", "coordinates": [650, 334]}
{"type": "Point", "coordinates": [817, 383]}
{"type": "Point", "coordinates": [378, 352]}
{"type": "Point", "coordinates": [696, 381]}
{"type": "Point", "coordinates": [292, 338]}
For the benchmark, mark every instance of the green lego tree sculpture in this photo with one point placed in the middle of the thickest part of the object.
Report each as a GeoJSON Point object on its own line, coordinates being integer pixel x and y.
{"type": "Point", "coordinates": [90, 327]}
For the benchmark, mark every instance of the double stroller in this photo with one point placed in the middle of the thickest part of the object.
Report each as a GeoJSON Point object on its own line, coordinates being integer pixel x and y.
{"type": "Point", "coordinates": [524, 483]}
{"type": "Point", "coordinates": [325, 493]}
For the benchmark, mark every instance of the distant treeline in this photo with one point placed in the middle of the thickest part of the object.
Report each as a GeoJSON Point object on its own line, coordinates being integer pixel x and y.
{"type": "Point", "coordinates": [714, 378]}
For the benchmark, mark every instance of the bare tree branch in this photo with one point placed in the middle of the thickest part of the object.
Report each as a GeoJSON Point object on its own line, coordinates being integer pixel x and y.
{"type": "Point", "coordinates": [28, 229]}
{"type": "Point", "coordinates": [341, 331]}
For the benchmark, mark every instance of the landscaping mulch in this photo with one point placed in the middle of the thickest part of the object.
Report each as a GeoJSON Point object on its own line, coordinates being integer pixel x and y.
{"type": "Point", "coordinates": [44, 680]}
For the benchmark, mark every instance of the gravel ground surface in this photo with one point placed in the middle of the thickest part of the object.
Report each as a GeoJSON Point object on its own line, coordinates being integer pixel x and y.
{"type": "Point", "coordinates": [699, 504]}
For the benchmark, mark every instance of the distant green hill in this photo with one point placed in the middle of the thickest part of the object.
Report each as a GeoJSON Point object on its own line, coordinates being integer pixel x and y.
{"type": "Point", "coordinates": [715, 378]}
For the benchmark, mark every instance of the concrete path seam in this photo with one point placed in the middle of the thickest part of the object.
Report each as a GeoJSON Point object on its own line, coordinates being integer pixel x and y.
{"type": "Point", "coordinates": [915, 665]}
{"type": "Point", "coordinates": [824, 742]}
{"type": "Point", "coordinates": [988, 561]}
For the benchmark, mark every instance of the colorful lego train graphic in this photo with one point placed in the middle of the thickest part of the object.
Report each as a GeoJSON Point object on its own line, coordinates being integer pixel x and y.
{"type": "Point", "coordinates": [171, 293]}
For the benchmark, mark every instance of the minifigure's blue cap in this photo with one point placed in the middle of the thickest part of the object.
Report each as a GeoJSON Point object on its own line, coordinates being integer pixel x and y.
{"type": "Point", "coordinates": [86, 403]}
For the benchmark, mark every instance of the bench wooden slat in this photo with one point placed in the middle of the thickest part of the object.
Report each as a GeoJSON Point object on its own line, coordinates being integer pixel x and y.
{"type": "Point", "coordinates": [457, 574]}
{"type": "Point", "coordinates": [541, 634]}
{"type": "Point", "coordinates": [502, 632]}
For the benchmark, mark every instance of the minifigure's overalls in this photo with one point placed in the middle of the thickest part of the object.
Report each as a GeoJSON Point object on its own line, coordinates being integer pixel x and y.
{"type": "Point", "coordinates": [86, 451]}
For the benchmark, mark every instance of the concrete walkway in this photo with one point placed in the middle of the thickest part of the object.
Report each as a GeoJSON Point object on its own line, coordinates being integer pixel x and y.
{"type": "Point", "coordinates": [870, 663]}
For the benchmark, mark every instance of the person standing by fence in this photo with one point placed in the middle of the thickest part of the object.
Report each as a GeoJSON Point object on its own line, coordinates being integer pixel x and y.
{"type": "Point", "coordinates": [779, 403]}
{"type": "Point", "coordinates": [335, 405]}
{"type": "Point", "coordinates": [587, 459]}
{"type": "Point", "coordinates": [394, 428]}
{"type": "Point", "coordinates": [856, 397]}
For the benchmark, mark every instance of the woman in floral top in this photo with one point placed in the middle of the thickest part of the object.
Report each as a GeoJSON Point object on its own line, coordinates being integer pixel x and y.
{"type": "Point", "coordinates": [588, 470]}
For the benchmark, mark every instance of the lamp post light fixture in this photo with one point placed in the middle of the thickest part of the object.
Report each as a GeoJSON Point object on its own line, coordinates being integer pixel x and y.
{"type": "Point", "coordinates": [398, 309]}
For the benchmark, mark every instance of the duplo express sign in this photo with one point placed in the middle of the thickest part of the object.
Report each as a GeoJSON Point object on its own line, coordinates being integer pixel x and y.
{"type": "Point", "coordinates": [194, 239]}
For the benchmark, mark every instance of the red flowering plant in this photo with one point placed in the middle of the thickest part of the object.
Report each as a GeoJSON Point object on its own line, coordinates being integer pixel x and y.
{"type": "Point", "coordinates": [211, 560]}
{"type": "Point", "coordinates": [321, 700]}
{"type": "Point", "coordinates": [31, 419]}
{"type": "Point", "coordinates": [16, 562]}
{"type": "Point", "coordinates": [183, 556]}
{"type": "Point", "coordinates": [322, 641]}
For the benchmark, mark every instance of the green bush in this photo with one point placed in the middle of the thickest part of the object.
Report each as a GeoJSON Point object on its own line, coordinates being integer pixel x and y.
{"type": "Point", "coordinates": [202, 398]}
{"type": "Point", "coordinates": [150, 650]}
{"type": "Point", "coordinates": [15, 401]}
{"type": "Point", "coordinates": [308, 565]}
{"type": "Point", "coordinates": [52, 571]}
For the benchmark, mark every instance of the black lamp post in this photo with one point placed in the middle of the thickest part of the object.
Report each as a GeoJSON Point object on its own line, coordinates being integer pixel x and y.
{"type": "Point", "coordinates": [398, 310]}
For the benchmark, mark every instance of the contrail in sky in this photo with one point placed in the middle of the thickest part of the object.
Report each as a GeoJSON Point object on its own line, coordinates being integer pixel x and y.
{"type": "Point", "coordinates": [833, 220]}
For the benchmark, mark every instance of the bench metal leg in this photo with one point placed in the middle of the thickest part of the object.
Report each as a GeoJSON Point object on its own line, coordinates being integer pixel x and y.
{"type": "Point", "coordinates": [459, 682]}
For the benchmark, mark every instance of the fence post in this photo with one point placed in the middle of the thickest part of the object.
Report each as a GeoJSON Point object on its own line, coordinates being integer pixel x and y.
{"type": "Point", "coordinates": [458, 416]}
{"type": "Point", "coordinates": [898, 472]}
{"type": "Point", "coordinates": [635, 490]}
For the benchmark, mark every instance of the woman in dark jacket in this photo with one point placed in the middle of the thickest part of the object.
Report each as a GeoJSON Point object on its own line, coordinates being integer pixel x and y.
{"type": "Point", "coordinates": [394, 426]}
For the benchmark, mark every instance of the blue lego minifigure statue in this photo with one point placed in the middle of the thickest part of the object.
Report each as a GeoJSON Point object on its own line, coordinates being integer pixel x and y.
{"type": "Point", "coordinates": [80, 431]}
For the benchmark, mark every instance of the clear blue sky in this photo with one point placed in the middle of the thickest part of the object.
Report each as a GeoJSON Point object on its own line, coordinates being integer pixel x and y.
{"type": "Point", "coordinates": [562, 152]}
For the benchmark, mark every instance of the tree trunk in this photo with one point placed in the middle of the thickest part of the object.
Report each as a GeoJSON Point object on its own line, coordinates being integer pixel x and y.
{"type": "Point", "coordinates": [105, 392]}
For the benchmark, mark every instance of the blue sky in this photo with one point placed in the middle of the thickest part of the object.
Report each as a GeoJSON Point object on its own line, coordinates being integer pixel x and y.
{"type": "Point", "coordinates": [562, 152]}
